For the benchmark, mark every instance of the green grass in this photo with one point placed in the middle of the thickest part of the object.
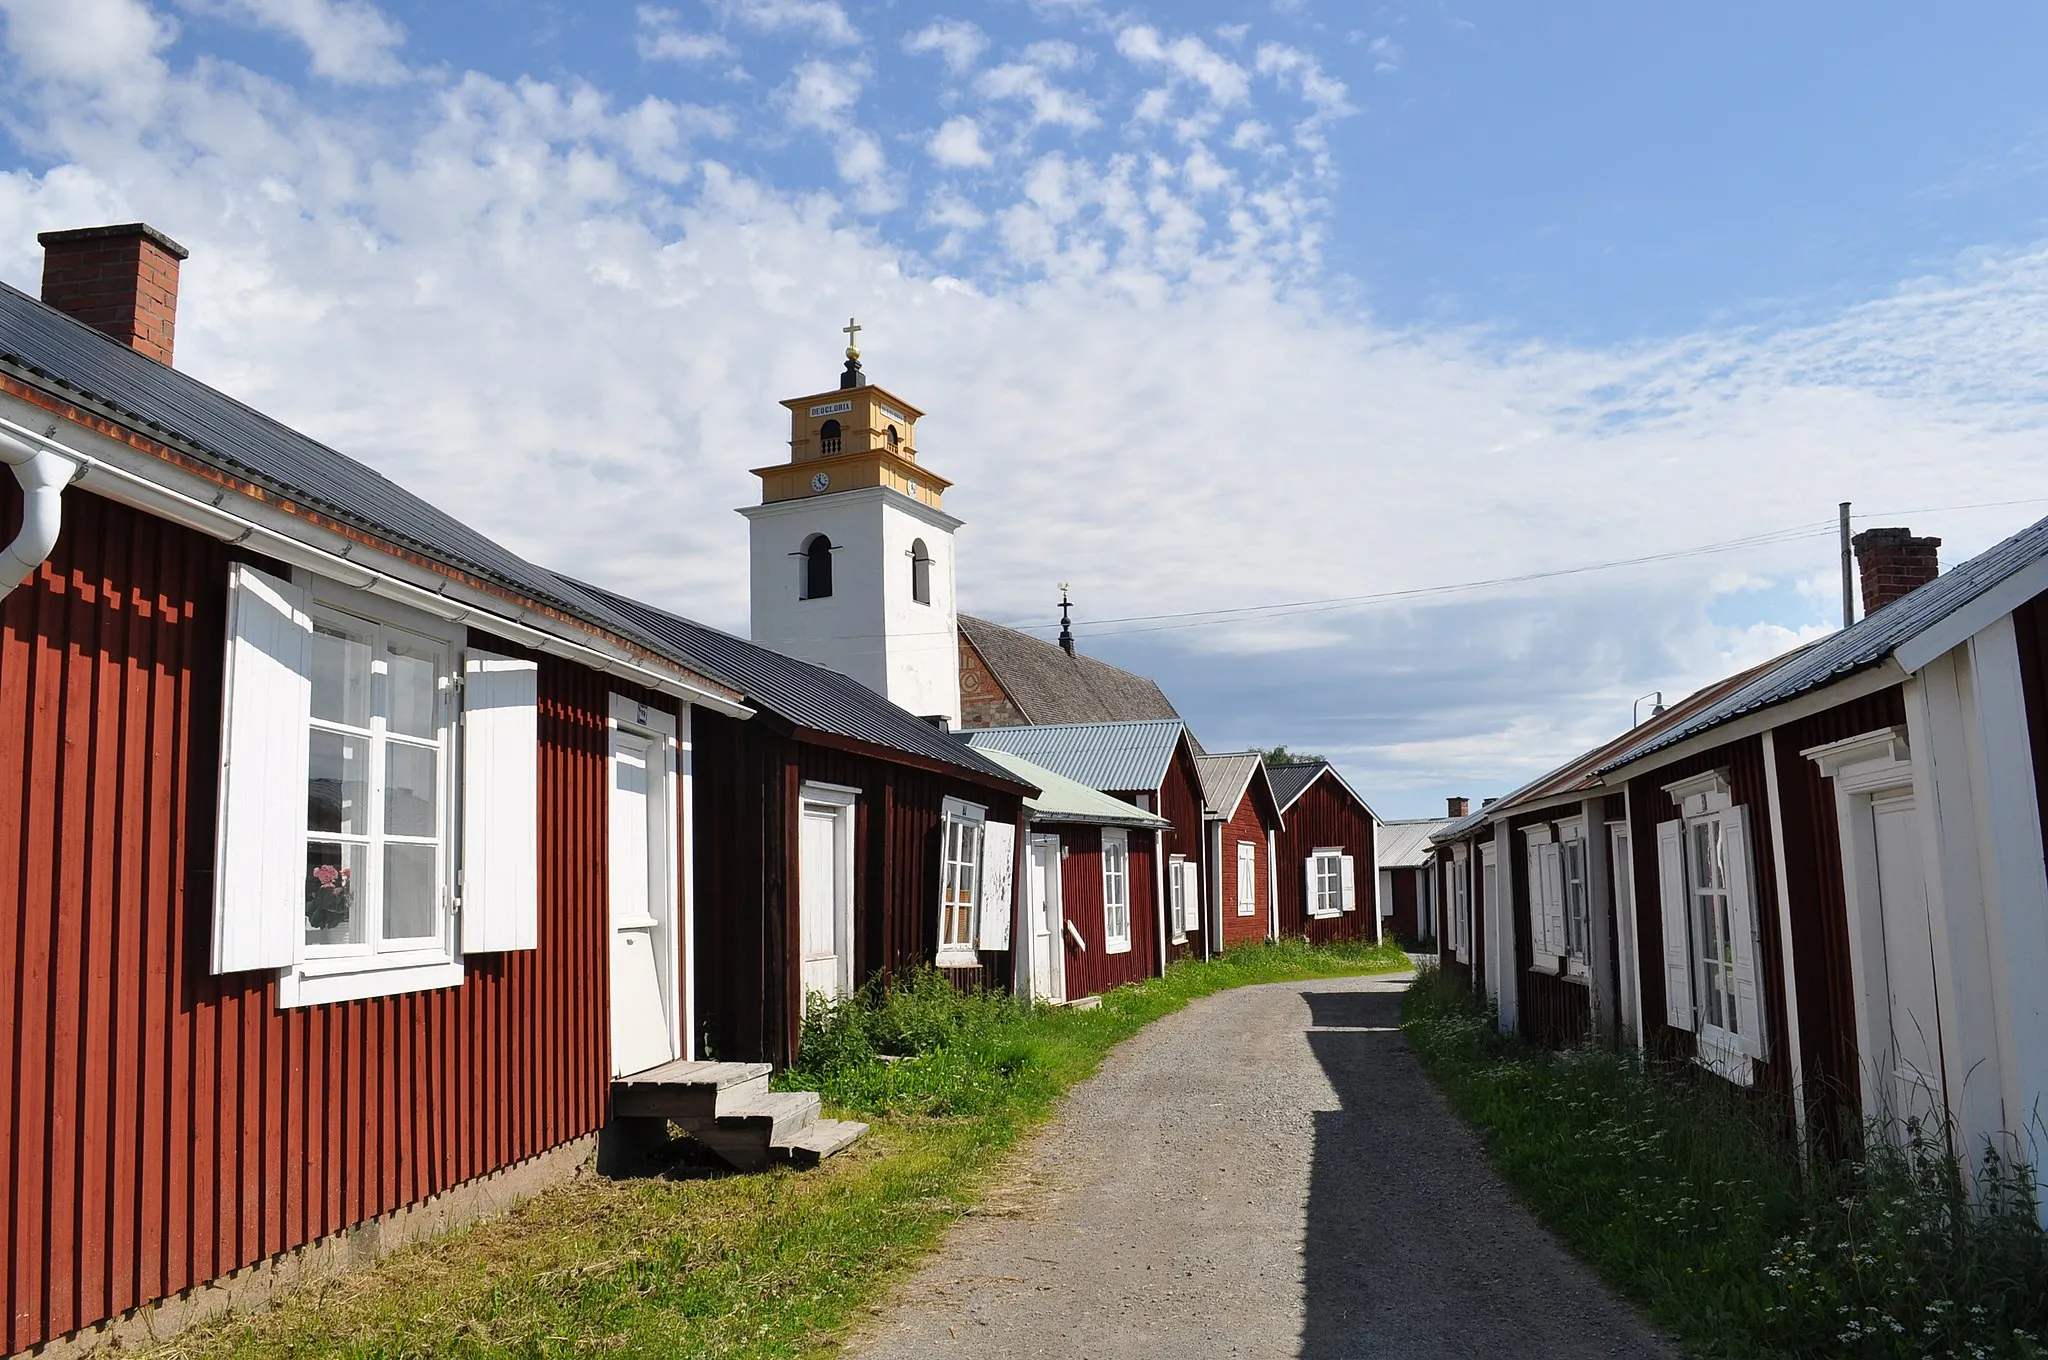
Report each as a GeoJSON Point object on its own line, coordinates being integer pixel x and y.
{"type": "Point", "coordinates": [1688, 1198]}
{"type": "Point", "coordinates": [703, 1263]}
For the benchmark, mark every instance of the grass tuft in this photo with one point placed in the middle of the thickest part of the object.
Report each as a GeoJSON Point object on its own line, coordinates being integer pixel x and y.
{"type": "Point", "coordinates": [1688, 1198]}
{"type": "Point", "coordinates": [702, 1262]}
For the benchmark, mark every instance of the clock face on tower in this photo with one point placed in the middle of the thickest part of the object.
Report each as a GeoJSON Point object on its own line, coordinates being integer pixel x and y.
{"type": "Point", "coordinates": [821, 481]}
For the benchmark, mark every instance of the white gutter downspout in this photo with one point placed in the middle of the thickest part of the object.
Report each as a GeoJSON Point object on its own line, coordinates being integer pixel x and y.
{"type": "Point", "coordinates": [43, 475]}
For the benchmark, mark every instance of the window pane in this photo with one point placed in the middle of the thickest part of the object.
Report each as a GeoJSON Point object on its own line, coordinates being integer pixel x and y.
{"type": "Point", "coordinates": [410, 677]}
{"type": "Point", "coordinates": [338, 793]}
{"type": "Point", "coordinates": [341, 676]}
{"type": "Point", "coordinates": [334, 889]}
{"type": "Point", "coordinates": [409, 895]}
{"type": "Point", "coordinates": [410, 789]}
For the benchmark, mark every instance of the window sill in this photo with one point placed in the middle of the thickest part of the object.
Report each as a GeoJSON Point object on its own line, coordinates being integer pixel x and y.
{"type": "Point", "coordinates": [1547, 969]}
{"type": "Point", "coordinates": [957, 956]}
{"type": "Point", "coordinates": [1724, 1061]}
{"type": "Point", "coordinates": [303, 987]}
{"type": "Point", "coordinates": [1116, 947]}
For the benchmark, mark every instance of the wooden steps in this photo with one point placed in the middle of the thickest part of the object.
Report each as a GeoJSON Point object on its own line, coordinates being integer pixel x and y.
{"type": "Point", "coordinates": [728, 1108]}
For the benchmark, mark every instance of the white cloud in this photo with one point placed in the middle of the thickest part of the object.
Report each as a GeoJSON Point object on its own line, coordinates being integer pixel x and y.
{"type": "Point", "coordinates": [958, 43]}
{"type": "Point", "coordinates": [662, 38]}
{"type": "Point", "coordinates": [1026, 82]}
{"type": "Point", "coordinates": [820, 19]}
{"type": "Point", "coordinates": [109, 47]}
{"type": "Point", "coordinates": [542, 307]}
{"type": "Point", "coordinates": [350, 41]}
{"type": "Point", "coordinates": [1190, 59]}
{"type": "Point", "coordinates": [958, 143]}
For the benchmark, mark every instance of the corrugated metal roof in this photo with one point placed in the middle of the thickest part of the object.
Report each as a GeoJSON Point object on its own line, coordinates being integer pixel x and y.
{"type": "Point", "coordinates": [1061, 799]}
{"type": "Point", "coordinates": [1460, 827]}
{"type": "Point", "coordinates": [808, 695]}
{"type": "Point", "coordinates": [1124, 756]}
{"type": "Point", "coordinates": [1866, 643]}
{"type": "Point", "coordinates": [1404, 845]}
{"type": "Point", "coordinates": [1292, 780]}
{"type": "Point", "coordinates": [56, 352]}
{"type": "Point", "coordinates": [1225, 777]}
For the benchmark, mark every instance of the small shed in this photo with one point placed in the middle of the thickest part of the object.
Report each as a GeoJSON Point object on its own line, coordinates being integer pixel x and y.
{"type": "Point", "coordinates": [1327, 853]}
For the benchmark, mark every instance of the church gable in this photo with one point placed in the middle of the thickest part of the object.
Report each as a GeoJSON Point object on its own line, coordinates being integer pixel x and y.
{"type": "Point", "coordinates": [1020, 679]}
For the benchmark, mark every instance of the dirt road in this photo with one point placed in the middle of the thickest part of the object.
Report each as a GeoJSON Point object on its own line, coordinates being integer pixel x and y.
{"type": "Point", "coordinates": [1267, 1173]}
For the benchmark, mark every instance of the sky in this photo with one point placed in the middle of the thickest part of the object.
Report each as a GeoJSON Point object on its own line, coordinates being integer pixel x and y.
{"type": "Point", "coordinates": [1414, 385]}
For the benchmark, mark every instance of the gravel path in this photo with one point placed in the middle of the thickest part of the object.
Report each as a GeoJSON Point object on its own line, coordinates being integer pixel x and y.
{"type": "Point", "coordinates": [1267, 1173]}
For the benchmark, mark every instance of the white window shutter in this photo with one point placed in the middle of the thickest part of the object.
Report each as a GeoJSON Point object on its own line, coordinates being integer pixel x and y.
{"type": "Point", "coordinates": [1308, 878]}
{"type": "Point", "coordinates": [1553, 899]}
{"type": "Point", "coordinates": [1191, 899]}
{"type": "Point", "coordinates": [259, 883]}
{"type": "Point", "coordinates": [1350, 871]}
{"type": "Point", "coordinates": [500, 803]}
{"type": "Point", "coordinates": [1742, 925]}
{"type": "Point", "coordinates": [1539, 942]}
{"type": "Point", "coordinates": [998, 871]}
{"type": "Point", "coordinates": [1674, 901]}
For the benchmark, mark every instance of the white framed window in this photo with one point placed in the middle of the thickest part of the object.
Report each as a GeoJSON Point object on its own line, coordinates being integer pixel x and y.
{"type": "Point", "coordinates": [1708, 892]}
{"type": "Point", "coordinates": [339, 841]}
{"type": "Point", "coordinates": [1116, 892]}
{"type": "Point", "coordinates": [1247, 878]}
{"type": "Point", "coordinates": [1543, 864]}
{"type": "Point", "coordinates": [960, 855]}
{"type": "Point", "coordinates": [1325, 870]}
{"type": "Point", "coordinates": [1575, 891]}
{"type": "Point", "coordinates": [1176, 897]}
{"type": "Point", "coordinates": [1461, 904]}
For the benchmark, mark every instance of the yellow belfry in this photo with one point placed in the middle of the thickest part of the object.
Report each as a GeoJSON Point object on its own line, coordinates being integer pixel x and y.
{"type": "Point", "coordinates": [857, 436]}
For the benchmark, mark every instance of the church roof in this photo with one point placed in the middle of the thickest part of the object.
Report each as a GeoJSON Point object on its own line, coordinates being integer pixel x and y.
{"type": "Point", "coordinates": [1049, 686]}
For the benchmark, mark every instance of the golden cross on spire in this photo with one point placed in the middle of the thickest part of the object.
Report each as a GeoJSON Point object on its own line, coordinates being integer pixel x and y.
{"type": "Point", "coordinates": [853, 329]}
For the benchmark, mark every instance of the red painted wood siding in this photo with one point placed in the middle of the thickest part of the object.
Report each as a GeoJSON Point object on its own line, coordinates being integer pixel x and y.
{"type": "Point", "coordinates": [1550, 1009]}
{"type": "Point", "coordinates": [1092, 971]}
{"type": "Point", "coordinates": [1326, 815]}
{"type": "Point", "coordinates": [1405, 918]}
{"type": "Point", "coordinates": [161, 1126]}
{"type": "Point", "coordinates": [1248, 823]}
{"type": "Point", "coordinates": [1179, 800]}
{"type": "Point", "coordinates": [749, 778]}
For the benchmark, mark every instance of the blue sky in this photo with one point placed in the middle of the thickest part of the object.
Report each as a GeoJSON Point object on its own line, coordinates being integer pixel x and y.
{"type": "Point", "coordinates": [1213, 307]}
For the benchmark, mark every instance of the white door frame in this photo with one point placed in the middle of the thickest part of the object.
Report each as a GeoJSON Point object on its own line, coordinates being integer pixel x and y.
{"type": "Point", "coordinates": [842, 801]}
{"type": "Point", "coordinates": [1055, 948]}
{"type": "Point", "coordinates": [659, 729]}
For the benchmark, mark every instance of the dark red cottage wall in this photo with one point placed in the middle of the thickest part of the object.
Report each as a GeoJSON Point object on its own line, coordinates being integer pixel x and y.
{"type": "Point", "coordinates": [1180, 802]}
{"type": "Point", "coordinates": [749, 777]}
{"type": "Point", "coordinates": [1326, 815]}
{"type": "Point", "coordinates": [1404, 907]}
{"type": "Point", "coordinates": [1551, 1009]}
{"type": "Point", "coordinates": [1093, 970]}
{"type": "Point", "coordinates": [1248, 823]}
{"type": "Point", "coordinates": [161, 1126]}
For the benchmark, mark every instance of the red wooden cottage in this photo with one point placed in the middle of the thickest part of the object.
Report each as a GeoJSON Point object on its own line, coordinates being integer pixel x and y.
{"type": "Point", "coordinates": [1152, 766]}
{"type": "Point", "coordinates": [1243, 822]}
{"type": "Point", "coordinates": [1408, 901]}
{"type": "Point", "coordinates": [1082, 923]}
{"type": "Point", "coordinates": [1327, 853]}
{"type": "Point", "coordinates": [838, 838]}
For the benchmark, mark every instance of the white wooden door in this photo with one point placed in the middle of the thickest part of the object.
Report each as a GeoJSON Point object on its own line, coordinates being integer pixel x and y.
{"type": "Point", "coordinates": [1917, 1089]}
{"type": "Point", "coordinates": [822, 883]}
{"type": "Point", "coordinates": [1042, 888]}
{"type": "Point", "coordinates": [642, 889]}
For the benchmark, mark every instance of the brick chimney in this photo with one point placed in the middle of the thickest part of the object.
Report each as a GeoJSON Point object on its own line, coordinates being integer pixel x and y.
{"type": "Point", "coordinates": [122, 280]}
{"type": "Point", "coordinates": [1458, 806]}
{"type": "Point", "coordinates": [1893, 563]}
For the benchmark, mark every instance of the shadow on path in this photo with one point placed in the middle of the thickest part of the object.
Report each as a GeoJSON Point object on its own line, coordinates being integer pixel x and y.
{"type": "Point", "coordinates": [1413, 1247]}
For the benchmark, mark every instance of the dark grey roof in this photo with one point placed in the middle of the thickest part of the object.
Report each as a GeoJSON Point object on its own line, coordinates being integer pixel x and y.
{"type": "Point", "coordinates": [1048, 686]}
{"type": "Point", "coordinates": [809, 696]}
{"type": "Point", "coordinates": [1292, 781]}
{"type": "Point", "coordinates": [1864, 644]}
{"type": "Point", "coordinates": [53, 351]}
{"type": "Point", "coordinates": [1461, 827]}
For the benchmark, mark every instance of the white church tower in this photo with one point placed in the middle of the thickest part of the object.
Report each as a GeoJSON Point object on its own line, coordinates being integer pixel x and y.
{"type": "Point", "coordinates": [852, 554]}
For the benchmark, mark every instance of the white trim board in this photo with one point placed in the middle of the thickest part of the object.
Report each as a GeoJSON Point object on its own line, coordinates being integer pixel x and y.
{"type": "Point", "coordinates": [1967, 620]}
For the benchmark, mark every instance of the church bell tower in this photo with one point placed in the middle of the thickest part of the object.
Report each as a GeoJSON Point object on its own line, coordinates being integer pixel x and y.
{"type": "Point", "coordinates": [852, 550]}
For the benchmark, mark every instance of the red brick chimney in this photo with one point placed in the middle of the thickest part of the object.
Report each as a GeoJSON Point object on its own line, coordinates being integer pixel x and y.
{"type": "Point", "coordinates": [1893, 563]}
{"type": "Point", "coordinates": [122, 280]}
{"type": "Point", "coordinates": [1458, 806]}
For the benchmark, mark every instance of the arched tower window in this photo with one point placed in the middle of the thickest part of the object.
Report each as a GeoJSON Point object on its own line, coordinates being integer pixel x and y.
{"type": "Point", "coordinates": [828, 442]}
{"type": "Point", "coordinates": [920, 572]}
{"type": "Point", "coordinates": [894, 438]}
{"type": "Point", "coordinates": [817, 567]}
